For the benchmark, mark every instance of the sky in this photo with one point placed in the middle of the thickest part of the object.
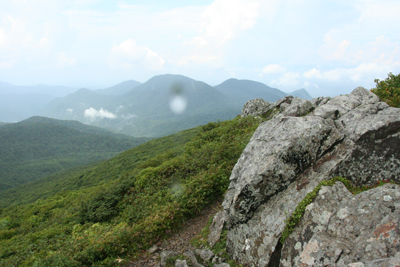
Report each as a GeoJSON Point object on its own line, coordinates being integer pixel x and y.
{"type": "Point", "coordinates": [327, 47]}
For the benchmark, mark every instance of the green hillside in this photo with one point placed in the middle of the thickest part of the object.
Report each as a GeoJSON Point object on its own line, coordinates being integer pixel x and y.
{"type": "Point", "coordinates": [95, 173]}
{"type": "Point", "coordinates": [38, 147]}
{"type": "Point", "coordinates": [124, 204]}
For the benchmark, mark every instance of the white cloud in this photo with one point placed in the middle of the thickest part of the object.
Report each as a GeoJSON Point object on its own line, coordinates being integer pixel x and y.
{"type": "Point", "coordinates": [129, 55]}
{"type": "Point", "coordinates": [221, 23]}
{"type": "Point", "coordinates": [197, 58]}
{"type": "Point", "coordinates": [3, 38]}
{"type": "Point", "coordinates": [119, 108]}
{"type": "Point", "coordinates": [6, 64]}
{"type": "Point", "coordinates": [129, 116]}
{"type": "Point", "coordinates": [273, 68]}
{"type": "Point", "coordinates": [313, 73]}
{"type": "Point", "coordinates": [44, 42]}
{"type": "Point", "coordinates": [378, 10]}
{"type": "Point", "coordinates": [360, 73]}
{"type": "Point", "coordinates": [287, 80]}
{"type": "Point", "coordinates": [93, 114]}
{"type": "Point", "coordinates": [64, 61]}
{"type": "Point", "coordinates": [69, 110]}
{"type": "Point", "coordinates": [224, 18]}
{"type": "Point", "coordinates": [334, 48]}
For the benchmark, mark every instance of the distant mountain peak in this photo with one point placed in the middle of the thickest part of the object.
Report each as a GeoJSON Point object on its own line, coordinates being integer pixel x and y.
{"type": "Point", "coordinates": [301, 93]}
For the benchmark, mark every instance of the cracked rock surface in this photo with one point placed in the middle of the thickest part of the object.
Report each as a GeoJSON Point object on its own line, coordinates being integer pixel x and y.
{"type": "Point", "coordinates": [355, 136]}
{"type": "Point", "coordinates": [339, 229]}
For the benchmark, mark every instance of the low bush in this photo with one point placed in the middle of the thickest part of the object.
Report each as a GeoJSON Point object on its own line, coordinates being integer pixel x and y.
{"type": "Point", "coordinates": [388, 90]}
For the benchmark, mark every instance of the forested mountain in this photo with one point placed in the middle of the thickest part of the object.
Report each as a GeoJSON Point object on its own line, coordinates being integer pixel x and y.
{"type": "Point", "coordinates": [244, 90]}
{"type": "Point", "coordinates": [119, 89]}
{"type": "Point", "coordinates": [137, 109]}
{"type": "Point", "coordinates": [38, 147]}
{"type": "Point", "coordinates": [164, 104]}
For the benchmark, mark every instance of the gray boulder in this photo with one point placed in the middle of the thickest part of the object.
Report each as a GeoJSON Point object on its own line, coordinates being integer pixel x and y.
{"type": "Point", "coordinates": [319, 101]}
{"type": "Point", "coordinates": [190, 255]}
{"type": "Point", "coordinates": [298, 107]}
{"type": "Point", "coordinates": [165, 255]}
{"type": "Point", "coordinates": [355, 136]}
{"type": "Point", "coordinates": [216, 228]}
{"type": "Point", "coordinates": [205, 254]}
{"type": "Point", "coordinates": [339, 228]}
{"type": "Point", "coordinates": [181, 263]}
{"type": "Point", "coordinates": [256, 107]}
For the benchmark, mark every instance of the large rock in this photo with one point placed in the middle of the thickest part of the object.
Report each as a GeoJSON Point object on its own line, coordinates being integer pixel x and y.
{"type": "Point", "coordinates": [256, 107]}
{"type": "Point", "coordinates": [339, 228]}
{"type": "Point", "coordinates": [216, 228]}
{"type": "Point", "coordinates": [355, 136]}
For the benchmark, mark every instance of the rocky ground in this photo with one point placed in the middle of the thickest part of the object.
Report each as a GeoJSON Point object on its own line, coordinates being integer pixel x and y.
{"type": "Point", "coordinates": [178, 241]}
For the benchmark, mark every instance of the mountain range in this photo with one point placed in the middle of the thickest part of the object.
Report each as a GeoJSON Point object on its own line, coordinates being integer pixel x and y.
{"type": "Point", "coordinates": [163, 105]}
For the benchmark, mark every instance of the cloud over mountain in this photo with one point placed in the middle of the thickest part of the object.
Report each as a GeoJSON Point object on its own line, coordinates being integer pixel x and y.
{"type": "Point", "coordinates": [93, 114]}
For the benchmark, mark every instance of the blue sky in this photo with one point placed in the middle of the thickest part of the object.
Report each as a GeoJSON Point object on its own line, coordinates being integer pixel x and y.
{"type": "Point", "coordinates": [326, 47]}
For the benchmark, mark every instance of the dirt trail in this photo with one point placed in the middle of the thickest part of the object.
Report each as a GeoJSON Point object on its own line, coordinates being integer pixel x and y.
{"type": "Point", "coordinates": [180, 240]}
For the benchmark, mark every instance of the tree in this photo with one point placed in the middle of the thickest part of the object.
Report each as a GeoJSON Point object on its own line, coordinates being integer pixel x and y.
{"type": "Point", "coordinates": [388, 90]}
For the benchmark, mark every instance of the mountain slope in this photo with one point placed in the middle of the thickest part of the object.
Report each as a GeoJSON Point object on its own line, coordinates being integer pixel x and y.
{"type": "Point", "coordinates": [3, 123]}
{"type": "Point", "coordinates": [135, 208]}
{"type": "Point", "coordinates": [245, 90]}
{"type": "Point", "coordinates": [162, 105]}
{"type": "Point", "coordinates": [38, 147]}
{"type": "Point", "coordinates": [301, 93]}
{"type": "Point", "coordinates": [96, 173]}
{"type": "Point", "coordinates": [119, 89]}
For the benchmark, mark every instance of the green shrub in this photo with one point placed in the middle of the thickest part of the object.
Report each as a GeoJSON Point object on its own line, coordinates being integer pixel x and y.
{"type": "Point", "coordinates": [388, 90]}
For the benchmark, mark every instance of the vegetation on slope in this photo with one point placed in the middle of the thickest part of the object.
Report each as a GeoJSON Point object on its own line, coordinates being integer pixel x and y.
{"type": "Point", "coordinates": [38, 147]}
{"type": "Point", "coordinates": [389, 90]}
{"type": "Point", "coordinates": [95, 225]}
{"type": "Point", "coordinates": [96, 173]}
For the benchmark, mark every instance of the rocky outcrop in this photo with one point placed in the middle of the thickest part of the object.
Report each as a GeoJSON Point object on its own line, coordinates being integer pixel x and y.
{"type": "Point", "coordinates": [355, 136]}
{"type": "Point", "coordinates": [339, 228]}
{"type": "Point", "coordinates": [289, 105]}
{"type": "Point", "coordinates": [197, 258]}
{"type": "Point", "coordinates": [256, 107]}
